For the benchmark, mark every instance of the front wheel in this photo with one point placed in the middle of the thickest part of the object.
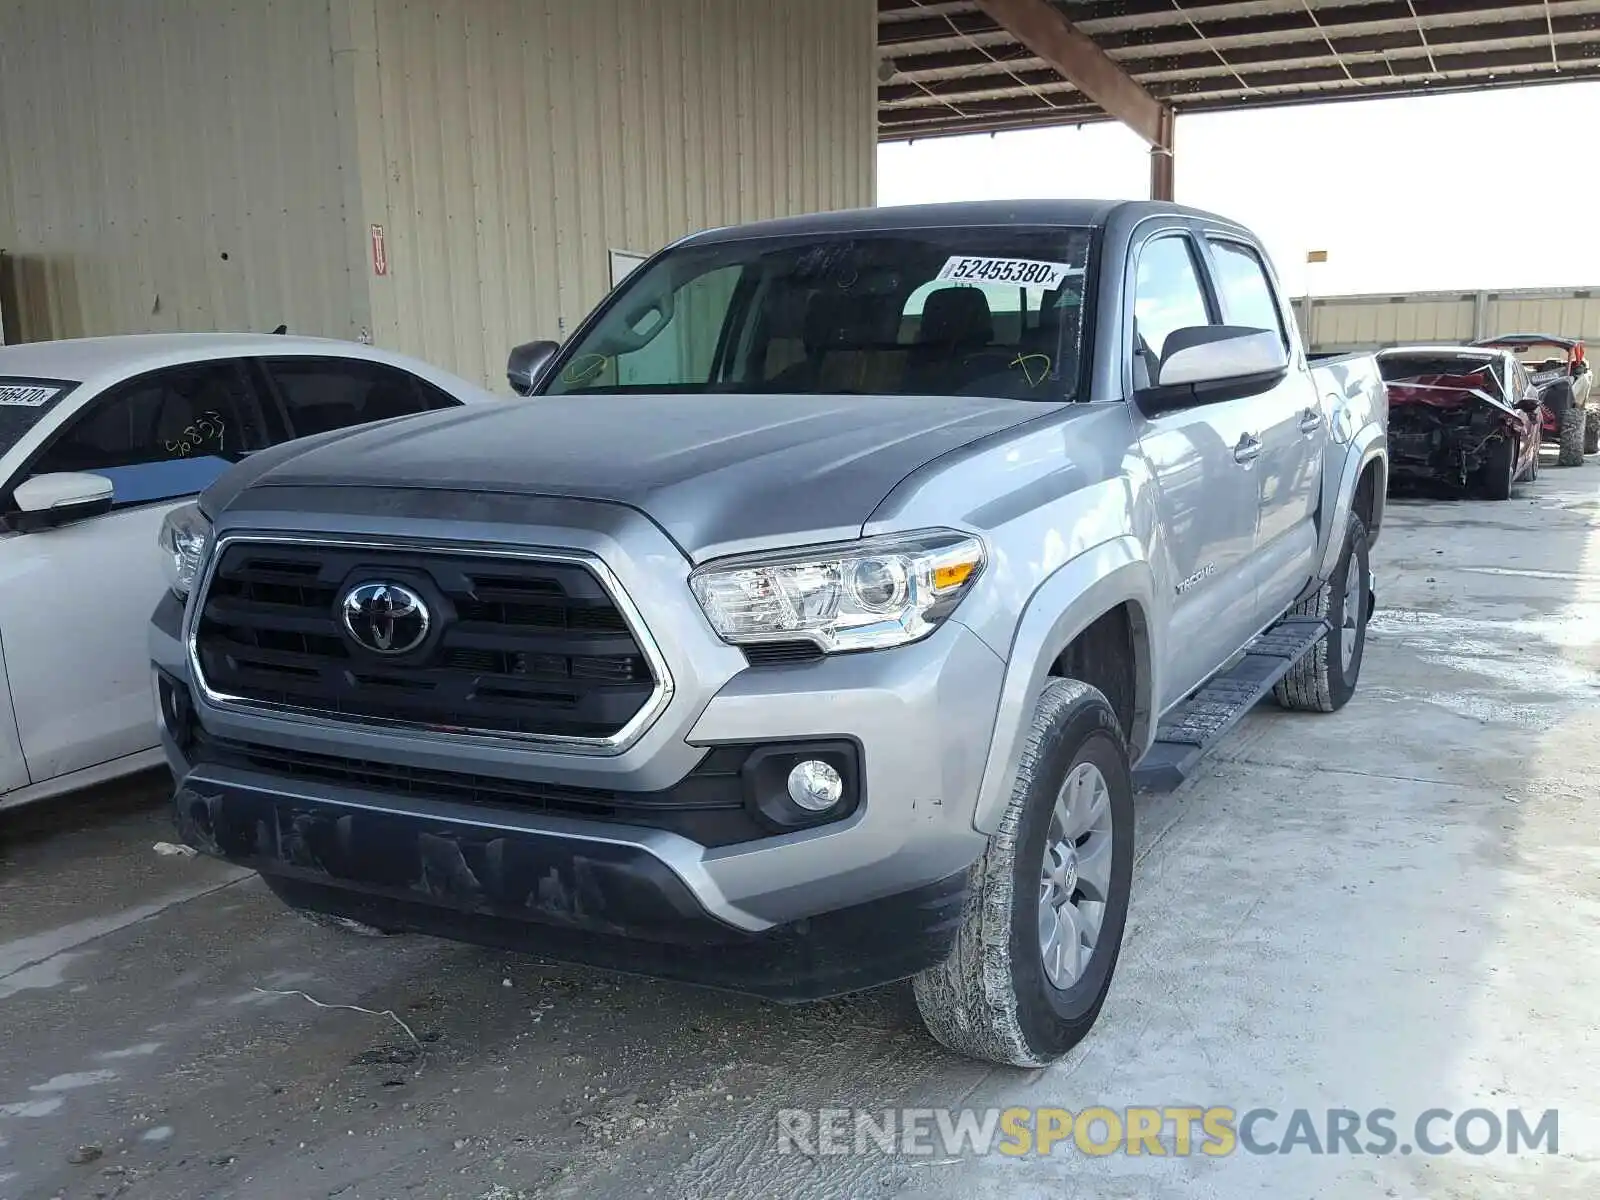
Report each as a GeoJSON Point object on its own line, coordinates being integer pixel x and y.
{"type": "Point", "coordinates": [1048, 900]}
{"type": "Point", "coordinates": [1325, 679]}
{"type": "Point", "coordinates": [1591, 429]}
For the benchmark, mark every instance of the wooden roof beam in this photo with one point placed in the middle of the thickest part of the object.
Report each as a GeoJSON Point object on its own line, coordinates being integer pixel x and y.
{"type": "Point", "coordinates": [1042, 29]}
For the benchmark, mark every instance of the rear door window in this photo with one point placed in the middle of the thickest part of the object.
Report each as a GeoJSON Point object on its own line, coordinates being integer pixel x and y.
{"type": "Point", "coordinates": [1245, 290]}
{"type": "Point", "coordinates": [163, 435]}
{"type": "Point", "coordinates": [320, 394]}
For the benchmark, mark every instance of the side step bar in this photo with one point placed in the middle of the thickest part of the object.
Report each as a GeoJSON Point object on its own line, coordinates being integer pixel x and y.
{"type": "Point", "coordinates": [1191, 729]}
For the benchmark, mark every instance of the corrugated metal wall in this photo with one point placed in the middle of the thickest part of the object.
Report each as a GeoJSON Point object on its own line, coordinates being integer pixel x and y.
{"type": "Point", "coordinates": [1342, 323]}
{"type": "Point", "coordinates": [521, 140]}
{"type": "Point", "coordinates": [1569, 314]}
{"type": "Point", "coordinates": [171, 164]}
{"type": "Point", "coordinates": [186, 164]}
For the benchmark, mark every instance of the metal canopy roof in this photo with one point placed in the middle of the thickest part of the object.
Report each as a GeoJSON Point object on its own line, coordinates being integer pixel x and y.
{"type": "Point", "coordinates": [946, 66]}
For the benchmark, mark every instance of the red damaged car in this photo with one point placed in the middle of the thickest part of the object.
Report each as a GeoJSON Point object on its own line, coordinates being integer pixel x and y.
{"type": "Point", "coordinates": [1466, 416]}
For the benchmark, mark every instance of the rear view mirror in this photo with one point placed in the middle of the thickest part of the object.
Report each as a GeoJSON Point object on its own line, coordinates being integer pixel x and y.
{"type": "Point", "coordinates": [1213, 362]}
{"type": "Point", "coordinates": [59, 497]}
{"type": "Point", "coordinates": [526, 362]}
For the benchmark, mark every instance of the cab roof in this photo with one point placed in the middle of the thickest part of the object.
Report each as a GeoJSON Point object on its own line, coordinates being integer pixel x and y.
{"type": "Point", "coordinates": [975, 213]}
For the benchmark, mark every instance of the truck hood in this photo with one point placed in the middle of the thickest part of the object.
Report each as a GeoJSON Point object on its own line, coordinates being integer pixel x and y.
{"type": "Point", "coordinates": [721, 474]}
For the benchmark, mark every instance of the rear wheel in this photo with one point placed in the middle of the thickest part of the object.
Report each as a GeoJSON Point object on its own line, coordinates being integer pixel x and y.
{"type": "Point", "coordinates": [1498, 470]}
{"type": "Point", "coordinates": [1591, 429]}
{"type": "Point", "coordinates": [1574, 432]}
{"type": "Point", "coordinates": [1325, 679]}
{"type": "Point", "coordinates": [1048, 899]}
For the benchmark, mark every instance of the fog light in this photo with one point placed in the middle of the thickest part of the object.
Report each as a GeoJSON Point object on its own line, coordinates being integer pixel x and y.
{"type": "Point", "coordinates": [815, 786]}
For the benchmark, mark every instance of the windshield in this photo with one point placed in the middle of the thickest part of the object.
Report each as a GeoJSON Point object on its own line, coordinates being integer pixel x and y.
{"type": "Point", "coordinates": [957, 311]}
{"type": "Point", "coordinates": [24, 403]}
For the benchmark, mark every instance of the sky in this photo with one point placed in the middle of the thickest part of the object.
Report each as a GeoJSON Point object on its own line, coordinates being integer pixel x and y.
{"type": "Point", "coordinates": [1474, 191]}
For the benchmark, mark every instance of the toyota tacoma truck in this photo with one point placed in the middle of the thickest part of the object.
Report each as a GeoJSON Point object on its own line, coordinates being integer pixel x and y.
{"type": "Point", "coordinates": [810, 626]}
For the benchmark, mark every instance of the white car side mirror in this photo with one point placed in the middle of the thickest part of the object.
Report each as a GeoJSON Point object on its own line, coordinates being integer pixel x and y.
{"type": "Point", "coordinates": [61, 496]}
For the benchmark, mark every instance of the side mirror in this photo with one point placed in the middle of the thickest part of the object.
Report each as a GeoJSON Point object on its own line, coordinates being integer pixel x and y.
{"type": "Point", "coordinates": [59, 497]}
{"type": "Point", "coordinates": [1529, 402]}
{"type": "Point", "coordinates": [526, 362]}
{"type": "Point", "coordinates": [1202, 363]}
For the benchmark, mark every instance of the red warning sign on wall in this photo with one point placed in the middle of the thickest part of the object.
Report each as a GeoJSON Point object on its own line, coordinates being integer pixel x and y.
{"type": "Point", "coordinates": [380, 257]}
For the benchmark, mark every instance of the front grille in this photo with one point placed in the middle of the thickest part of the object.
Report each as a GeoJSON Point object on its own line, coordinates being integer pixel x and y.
{"type": "Point", "coordinates": [707, 805]}
{"type": "Point", "coordinates": [524, 647]}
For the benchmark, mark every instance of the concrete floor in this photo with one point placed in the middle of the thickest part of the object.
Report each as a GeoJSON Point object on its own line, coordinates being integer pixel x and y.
{"type": "Point", "coordinates": [1392, 907]}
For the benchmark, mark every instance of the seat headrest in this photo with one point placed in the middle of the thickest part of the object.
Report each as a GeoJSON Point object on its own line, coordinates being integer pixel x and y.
{"type": "Point", "coordinates": [957, 316]}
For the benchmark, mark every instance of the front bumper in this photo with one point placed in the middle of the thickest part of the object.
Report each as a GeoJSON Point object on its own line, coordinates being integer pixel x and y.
{"type": "Point", "coordinates": [773, 915]}
{"type": "Point", "coordinates": [496, 881]}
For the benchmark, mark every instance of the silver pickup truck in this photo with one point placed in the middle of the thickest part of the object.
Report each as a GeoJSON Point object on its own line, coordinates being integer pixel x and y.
{"type": "Point", "coordinates": [810, 625]}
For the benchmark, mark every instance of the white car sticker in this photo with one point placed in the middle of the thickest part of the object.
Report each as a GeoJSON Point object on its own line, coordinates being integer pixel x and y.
{"type": "Point", "coordinates": [26, 395]}
{"type": "Point", "coordinates": [1549, 376]}
{"type": "Point", "coordinates": [1028, 272]}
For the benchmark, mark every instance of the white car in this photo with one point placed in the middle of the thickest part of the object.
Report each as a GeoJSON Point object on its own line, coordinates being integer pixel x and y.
{"type": "Point", "coordinates": [99, 439]}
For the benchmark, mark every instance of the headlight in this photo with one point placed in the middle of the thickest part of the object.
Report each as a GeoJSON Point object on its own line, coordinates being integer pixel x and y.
{"type": "Point", "coordinates": [185, 537]}
{"type": "Point", "coordinates": [861, 595]}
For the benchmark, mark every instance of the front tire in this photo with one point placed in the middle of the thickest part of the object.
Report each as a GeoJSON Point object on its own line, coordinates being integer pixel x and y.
{"type": "Point", "coordinates": [1048, 900]}
{"type": "Point", "coordinates": [1591, 430]}
{"type": "Point", "coordinates": [1325, 679]}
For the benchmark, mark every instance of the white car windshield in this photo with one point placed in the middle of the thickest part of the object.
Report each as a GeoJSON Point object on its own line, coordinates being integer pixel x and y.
{"type": "Point", "coordinates": [958, 311]}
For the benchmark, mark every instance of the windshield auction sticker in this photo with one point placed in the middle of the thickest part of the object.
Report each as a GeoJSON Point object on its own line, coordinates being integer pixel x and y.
{"type": "Point", "coordinates": [1028, 272]}
{"type": "Point", "coordinates": [24, 403]}
{"type": "Point", "coordinates": [26, 395]}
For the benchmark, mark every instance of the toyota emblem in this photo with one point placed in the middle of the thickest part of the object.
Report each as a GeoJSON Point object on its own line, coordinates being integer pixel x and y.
{"type": "Point", "coordinates": [386, 618]}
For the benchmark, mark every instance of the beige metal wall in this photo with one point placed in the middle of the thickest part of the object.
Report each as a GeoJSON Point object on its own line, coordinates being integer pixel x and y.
{"type": "Point", "coordinates": [1364, 322]}
{"type": "Point", "coordinates": [170, 164]}
{"type": "Point", "coordinates": [189, 164]}
{"type": "Point", "coordinates": [508, 145]}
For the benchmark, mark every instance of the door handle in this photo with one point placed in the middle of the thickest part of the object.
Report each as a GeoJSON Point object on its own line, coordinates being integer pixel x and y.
{"type": "Point", "coordinates": [1310, 420]}
{"type": "Point", "coordinates": [1248, 449]}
